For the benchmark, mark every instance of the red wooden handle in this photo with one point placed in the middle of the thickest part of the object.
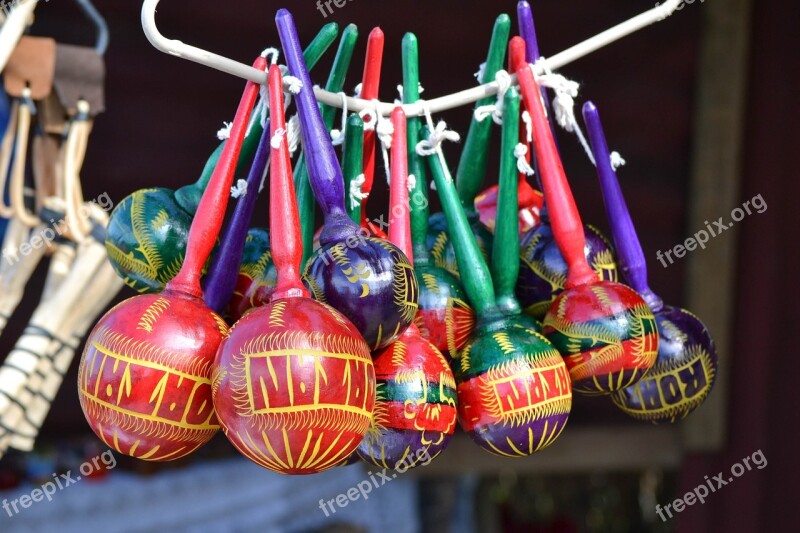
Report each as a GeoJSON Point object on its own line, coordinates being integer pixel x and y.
{"type": "Point", "coordinates": [370, 85]}
{"type": "Point", "coordinates": [211, 210]}
{"type": "Point", "coordinates": [516, 60]}
{"type": "Point", "coordinates": [400, 228]}
{"type": "Point", "coordinates": [564, 217]}
{"type": "Point", "coordinates": [286, 241]}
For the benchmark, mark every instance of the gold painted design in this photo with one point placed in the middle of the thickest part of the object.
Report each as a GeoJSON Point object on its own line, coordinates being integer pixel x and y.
{"type": "Point", "coordinates": [605, 267]}
{"type": "Point", "coordinates": [259, 268]}
{"type": "Point", "coordinates": [144, 235]}
{"type": "Point", "coordinates": [673, 332]}
{"type": "Point", "coordinates": [405, 290]}
{"type": "Point", "coordinates": [151, 315]}
{"type": "Point", "coordinates": [129, 263]}
{"type": "Point", "coordinates": [316, 290]}
{"type": "Point", "coordinates": [358, 274]}
{"type": "Point", "coordinates": [276, 315]}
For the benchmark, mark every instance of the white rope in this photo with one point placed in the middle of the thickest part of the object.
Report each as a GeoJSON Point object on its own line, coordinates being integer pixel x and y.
{"type": "Point", "coordinates": [617, 160]}
{"type": "Point", "coordinates": [400, 91]}
{"type": "Point", "coordinates": [272, 53]}
{"type": "Point", "coordinates": [385, 131]}
{"type": "Point", "coordinates": [412, 183]}
{"type": "Point", "coordinates": [357, 90]}
{"type": "Point", "coordinates": [520, 153]}
{"type": "Point", "coordinates": [481, 73]}
{"type": "Point", "coordinates": [277, 140]}
{"type": "Point", "coordinates": [225, 132]}
{"type": "Point", "coordinates": [239, 190]}
{"type": "Point", "coordinates": [294, 133]}
{"type": "Point", "coordinates": [526, 118]}
{"type": "Point", "coordinates": [495, 110]}
{"type": "Point", "coordinates": [295, 84]}
{"type": "Point", "coordinates": [337, 136]}
{"type": "Point", "coordinates": [433, 144]}
{"type": "Point", "coordinates": [564, 103]}
{"type": "Point", "coordinates": [356, 196]}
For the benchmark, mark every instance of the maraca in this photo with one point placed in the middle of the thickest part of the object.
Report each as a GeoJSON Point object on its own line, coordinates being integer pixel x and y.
{"type": "Point", "coordinates": [473, 164]}
{"type": "Point", "coordinates": [604, 330]}
{"type": "Point", "coordinates": [237, 242]}
{"type": "Point", "coordinates": [144, 381]}
{"type": "Point", "coordinates": [514, 391]}
{"type": "Point", "coordinates": [415, 407]}
{"type": "Point", "coordinates": [294, 383]}
{"type": "Point", "coordinates": [543, 271]}
{"type": "Point", "coordinates": [686, 367]}
{"type": "Point", "coordinates": [530, 200]}
{"type": "Point", "coordinates": [445, 317]}
{"type": "Point", "coordinates": [368, 279]}
{"type": "Point", "coordinates": [147, 234]}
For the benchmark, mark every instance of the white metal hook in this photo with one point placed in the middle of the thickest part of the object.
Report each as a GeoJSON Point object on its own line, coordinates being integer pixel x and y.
{"type": "Point", "coordinates": [436, 105]}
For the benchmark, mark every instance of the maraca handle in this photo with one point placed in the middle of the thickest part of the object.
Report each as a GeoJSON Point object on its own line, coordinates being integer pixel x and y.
{"type": "Point", "coordinates": [516, 60]}
{"type": "Point", "coordinates": [505, 251]}
{"type": "Point", "coordinates": [566, 221]}
{"type": "Point", "coordinates": [370, 86]}
{"type": "Point", "coordinates": [629, 248]}
{"type": "Point", "coordinates": [211, 211]}
{"type": "Point", "coordinates": [306, 204]}
{"type": "Point", "coordinates": [400, 226]}
{"type": "Point", "coordinates": [419, 206]}
{"type": "Point", "coordinates": [353, 162]}
{"type": "Point", "coordinates": [474, 158]}
{"type": "Point", "coordinates": [324, 171]}
{"type": "Point", "coordinates": [221, 280]}
{"type": "Point", "coordinates": [284, 226]}
{"type": "Point", "coordinates": [475, 275]}
{"type": "Point", "coordinates": [527, 30]}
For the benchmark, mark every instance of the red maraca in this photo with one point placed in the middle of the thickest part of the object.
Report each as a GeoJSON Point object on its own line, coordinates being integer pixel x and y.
{"type": "Point", "coordinates": [543, 271]}
{"type": "Point", "coordinates": [368, 279]}
{"type": "Point", "coordinates": [686, 367]}
{"type": "Point", "coordinates": [605, 330]}
{"type": "Point", "coordinates": [415, 409]}
{"type": "Point", "coordinates": [294, 383]}
{"type": "Point", "coordinates": [531, 201]}
{"type": "Point", "coordinates": [445, 317]}
{"type": "Point", "coordinates": [144, 381]}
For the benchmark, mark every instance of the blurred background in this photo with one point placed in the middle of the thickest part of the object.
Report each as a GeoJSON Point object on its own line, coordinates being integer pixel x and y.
{"type": "Point", "coordinates": [699, 105]}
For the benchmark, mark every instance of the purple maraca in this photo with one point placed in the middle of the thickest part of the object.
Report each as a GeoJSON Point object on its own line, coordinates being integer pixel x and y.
{"type": "Point", "coordinates": [369, 280]}
{"type": "Point", "coordinates": [686, 367]}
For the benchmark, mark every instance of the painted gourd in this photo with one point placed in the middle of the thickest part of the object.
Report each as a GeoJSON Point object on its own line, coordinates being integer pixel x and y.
{"type": "Point", "coordinates": [605, 330]}
{"type": "Point", "coordinates": [294, 383]}
{"type": "Point", "coordinates": [415, 406]}
{"type": "Point", "coordinates": [144, 381]}
{"type": "Point", "coordinates": [686, 366]}
{"type": "Point", "coordinates": [369, 280]}
{"type": "Point", "coordinates": [513, 388]}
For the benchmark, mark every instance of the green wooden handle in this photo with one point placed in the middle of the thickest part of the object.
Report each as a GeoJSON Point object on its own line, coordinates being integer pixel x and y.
{"type": "Point", "coordinates": [353, 165]}
{"type": "Point", "coordinates": [505, 251]}
{"type": "Point", "coordinates": [419, 205]}
{"type": "Point", "coordinates": [474, 273]}
{"type": "Point", "coordinates": [474, 158]}
{"type": "Point", "coordinates": [306, 203]}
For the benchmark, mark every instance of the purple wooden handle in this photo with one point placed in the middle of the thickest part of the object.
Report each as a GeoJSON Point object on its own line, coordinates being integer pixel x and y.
{"type": "Point", "coordinates": [629, 249]}
{"type": "Point", "coordinates": [324, 171]}
{"type": "Point", "coordinates": [221, 280]}
{"type": "Point", "coordinates": [527, 31]}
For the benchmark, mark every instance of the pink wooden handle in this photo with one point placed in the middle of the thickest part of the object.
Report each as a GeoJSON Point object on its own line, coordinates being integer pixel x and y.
{"type": "Point", "coordinates": [370, 85]}
{"type": "Point", "coordinates": [284, 221]}
{"type": "Point", "coordinates": [400, 228]}
{"type": "Point", "coordinates": [564, 217]}
{"type": "Point", "coordinates": [211, 210]}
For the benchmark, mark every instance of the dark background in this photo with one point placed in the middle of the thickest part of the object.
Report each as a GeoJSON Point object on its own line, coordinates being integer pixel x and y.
{"type": "Point", "coordinates": [163, 113]}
